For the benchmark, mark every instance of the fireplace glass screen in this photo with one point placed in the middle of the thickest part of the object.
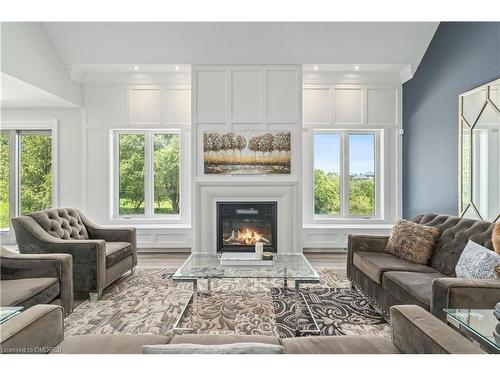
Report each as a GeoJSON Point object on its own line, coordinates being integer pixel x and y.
{"type": "Point", "coordinates": [240, 225]}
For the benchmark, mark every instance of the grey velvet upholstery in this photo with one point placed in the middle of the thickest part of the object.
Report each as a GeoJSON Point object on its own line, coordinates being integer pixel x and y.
{"type": "Point", "coordinates": [108, 344]}
{"type": "Point", "coordinates": [387, 281]}
{"type": "Point", "coordinates": [415, 331]}
{"type": "Point", "coordinates": [37, 330]}
{"type": "Point", "coordinates": [374, 264]}
{"type": "Point", "coordinates": [100, 255]}
{"type": "Point", "coordinates": [338, 345]}
{"type": "Point", "coordinates": [30, 279]}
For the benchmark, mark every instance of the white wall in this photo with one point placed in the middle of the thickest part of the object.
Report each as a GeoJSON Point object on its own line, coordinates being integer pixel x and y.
{"type": "Point", "coordinates": [69, 147]}
{"type": "Point", "coordinates": [135, 101]}
{"type": "Point", "coordinates": [349, 101]}
{"type": "Point", "coordinates": [242, 98]}
{"type": "Point", "coordinates": [28, 55]}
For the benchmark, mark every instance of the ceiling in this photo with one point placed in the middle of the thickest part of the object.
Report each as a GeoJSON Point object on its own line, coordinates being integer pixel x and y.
{"type": "Point", "coordinates": [398, 43]}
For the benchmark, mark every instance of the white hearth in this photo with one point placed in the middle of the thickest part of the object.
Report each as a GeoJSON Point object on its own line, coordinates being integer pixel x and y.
{"type": "Point", "coordinates": [284, 193]}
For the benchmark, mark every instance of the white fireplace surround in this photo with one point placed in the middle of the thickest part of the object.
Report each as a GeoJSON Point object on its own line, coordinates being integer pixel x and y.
{"type": "Point", "coordinates": [284, 193]}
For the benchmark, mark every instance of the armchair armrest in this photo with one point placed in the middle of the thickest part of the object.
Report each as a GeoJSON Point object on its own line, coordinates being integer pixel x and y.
{"type": "Point", "coordinates": [110, 234]}
{"type": "Point", "coordinates": [36, 330]}
{"type": "Point", "coordinates": [359, 242]}
{"type": "Point", "coordinates": [416, 331]}
{"type": "Point", "coordinates": [21, 266]}
{"type": "Point", "coordinates": [454, 293]}
{"type": "Point", "coordinates": [89, 256]}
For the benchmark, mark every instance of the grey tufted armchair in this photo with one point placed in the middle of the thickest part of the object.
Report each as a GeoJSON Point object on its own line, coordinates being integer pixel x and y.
{"type": "Point", "coordinates": [100, 255]}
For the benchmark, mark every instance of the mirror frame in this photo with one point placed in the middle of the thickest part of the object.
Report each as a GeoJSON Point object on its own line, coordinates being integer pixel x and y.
{"type": "Point", "coordinates": [464, 125]}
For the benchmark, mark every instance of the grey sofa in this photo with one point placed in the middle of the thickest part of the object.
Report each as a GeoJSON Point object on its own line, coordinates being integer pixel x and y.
{"type": "Point", "coordinates": [390, 281]}
{"type": "Point", "coordinates": [414, 331]}
{"type": "Point", "coordinates": [100, 255]}
{"type": "Point", "coordinates": [30, 279]}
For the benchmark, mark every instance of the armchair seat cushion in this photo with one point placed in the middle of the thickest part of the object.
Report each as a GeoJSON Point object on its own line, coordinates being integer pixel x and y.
{"type": "Point", "coordinates": [338, 345]}
{"type": "Point", "coordinates": [414, 288]}
{"type": "Point", "coordinates": [29, 292]}
{"type": "Point", "coordinates": [374, 264]}
{"type": "Point", "coordinates": [116, 251]}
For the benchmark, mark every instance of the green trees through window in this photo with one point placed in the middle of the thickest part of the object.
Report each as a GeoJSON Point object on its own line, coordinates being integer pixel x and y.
{"type": "Point", "coordinates": [138, 151]}
{"type": "Point", "coordinates": [30, 153]}
{"type": "Point", "coordinates": [329, 165]}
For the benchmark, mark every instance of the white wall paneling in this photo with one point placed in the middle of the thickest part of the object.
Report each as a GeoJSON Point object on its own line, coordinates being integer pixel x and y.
{"type": "Point", "coordinates": [382, 106]}
{"type": "Point", "coordinates": [145, 106]}
{"type": "Point", "coordinates": [211, 91]}
{"type": "Point", "coordinates": [125, 102]}
{"type": "Point", "coordinates": [247, 98]}
{"type": "Point", "coordinates": [348, 106]}
{"type": "Point", "coordinates": [354, 103]}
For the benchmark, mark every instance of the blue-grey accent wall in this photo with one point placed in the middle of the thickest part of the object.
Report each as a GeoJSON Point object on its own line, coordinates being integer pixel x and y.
{"type": "Point", "coordinates": [461, 56]}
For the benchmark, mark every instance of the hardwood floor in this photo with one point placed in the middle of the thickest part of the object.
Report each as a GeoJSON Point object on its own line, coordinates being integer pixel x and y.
{"type": "Point", "coordinates": [175, 260]}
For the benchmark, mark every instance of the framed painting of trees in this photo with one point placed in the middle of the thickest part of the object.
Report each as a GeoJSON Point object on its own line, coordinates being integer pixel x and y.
{"type": "Point", "coordinates": [246, 152]}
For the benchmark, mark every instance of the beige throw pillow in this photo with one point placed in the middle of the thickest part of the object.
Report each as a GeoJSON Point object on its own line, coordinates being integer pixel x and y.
{"type": "Point", "coordinates": [412, 242]}
{"type": "Point", "coordinates": [496, 238]}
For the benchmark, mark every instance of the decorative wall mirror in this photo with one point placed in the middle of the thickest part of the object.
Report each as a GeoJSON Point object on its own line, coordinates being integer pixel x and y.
{"type": "Point", "coordinates": [479, 145]}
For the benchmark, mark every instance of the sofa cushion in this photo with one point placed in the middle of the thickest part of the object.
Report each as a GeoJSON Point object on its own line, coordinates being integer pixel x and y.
{"type": "Point", "coordinates": [29, 292]}
{"type": "Point", "coordinates": [412, 241]}
{"type": "Point", "coordinates": [108, 344]}
{"type": "Point", "coordinates": [412, 288]}
{"type": "Point", "coordinates": [455, 233]}
{"type": "Point", "coordinates": [374, 264]}
{"type": "Point", "coordinates": [63, 223]}
{"type": "Point", "coordinates": [338, 345]}
{"type": "Point", "coordinates": [116, 251]}
{"type": "Point", "coordinates": [234, 348]}
{"type": "Point", "coordinates": [208, 339]}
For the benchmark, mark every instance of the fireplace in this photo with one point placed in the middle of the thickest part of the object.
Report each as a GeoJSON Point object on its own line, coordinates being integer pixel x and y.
{"type": "Point", "coordinates": [242, 224]}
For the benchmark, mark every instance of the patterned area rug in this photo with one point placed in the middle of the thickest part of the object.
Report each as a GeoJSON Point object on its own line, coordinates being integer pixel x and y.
{"type": "Point", "coordinates": [150, 302]}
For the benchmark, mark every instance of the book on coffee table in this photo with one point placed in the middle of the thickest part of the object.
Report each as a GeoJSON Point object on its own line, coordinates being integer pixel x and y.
{"type": "Point", "coordinates": [243, 259]}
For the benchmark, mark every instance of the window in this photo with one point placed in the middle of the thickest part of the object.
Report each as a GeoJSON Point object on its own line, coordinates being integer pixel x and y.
{"type": "Point", "coordinates": [148, 173]}
{"type": "Point", "coordinates": [344, 180]}
{"type": "Point", "coordinates": [26, 173]}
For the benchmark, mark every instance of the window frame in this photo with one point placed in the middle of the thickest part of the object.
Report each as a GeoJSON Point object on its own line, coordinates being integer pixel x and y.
{"type": "Point", "coordinates": [344, 174]}
{"type": "Point", "coordinates": [148, 175]}
{"type": "Point", "coordinates": [14, 129]}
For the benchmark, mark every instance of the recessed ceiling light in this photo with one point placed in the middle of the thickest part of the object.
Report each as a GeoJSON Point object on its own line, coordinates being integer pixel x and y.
{"type": "Point", "coordinates": [356, 67]}
{"type": "Point", "coordinates": [136, 67]}
{"type": "Point", "coordinates": [315, 67]}
{"type": "Point", "coordinates": [177, 67]}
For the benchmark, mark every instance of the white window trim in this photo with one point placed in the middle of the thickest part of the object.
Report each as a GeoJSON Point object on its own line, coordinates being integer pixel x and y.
{"type": "Point", "coordinates": [344, 174]}
{"type": "Point", "coordinates": [148, 177]}
{"type": "Point", "coordinates": [41, 125]}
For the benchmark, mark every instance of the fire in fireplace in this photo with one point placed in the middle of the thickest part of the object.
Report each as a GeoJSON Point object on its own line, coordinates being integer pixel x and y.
{"type": "Point", "coordinates": [240, 225]}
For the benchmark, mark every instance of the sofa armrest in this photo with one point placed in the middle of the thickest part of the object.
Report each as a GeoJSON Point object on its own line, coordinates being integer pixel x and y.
{"type": "Point", "coordinates": [416, 331]}
{"type": "Point", "coordinates": [110, 234]}
{"type": "Point", "coordinates": [455, 293]}
{"type": "Point", "coordinates": [60, 266]}
{"type": "Point", "coordinates": [358, 242]}
{"type": "Point", "coordinates": [36, 330]}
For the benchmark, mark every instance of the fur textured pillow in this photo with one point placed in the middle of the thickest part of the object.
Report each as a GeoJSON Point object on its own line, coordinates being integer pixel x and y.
{"type": "Point", "coordinates": [412, 242]}
{"type": "Point", "coordinates": [496, 238]}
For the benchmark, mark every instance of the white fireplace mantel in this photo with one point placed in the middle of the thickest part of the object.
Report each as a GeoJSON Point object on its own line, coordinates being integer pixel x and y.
{"type": "Point", "coordinates": [285, 193]}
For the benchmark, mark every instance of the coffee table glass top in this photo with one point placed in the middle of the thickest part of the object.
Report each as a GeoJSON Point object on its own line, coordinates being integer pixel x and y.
{"type": "Point", "coordinates": [481, 323]}
{"type": "Point", "coordinates": [207, 266]}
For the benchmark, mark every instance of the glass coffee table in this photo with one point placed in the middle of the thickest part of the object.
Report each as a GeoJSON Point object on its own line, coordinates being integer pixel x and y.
{"type": "Point", "coordinates": [207, 267]}
{"type": "Point", "coordinates": [476, 324]}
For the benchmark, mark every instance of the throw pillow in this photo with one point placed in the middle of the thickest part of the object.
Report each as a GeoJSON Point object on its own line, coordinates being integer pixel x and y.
{"type": "Point", "coordinates": [477, 262]}
{"type": "Point", "coordinates": [235, 348]}
{"type": "Point", "coordinates": [496, 238]}
{"type": "Point", "coordinates": [412, 242]}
